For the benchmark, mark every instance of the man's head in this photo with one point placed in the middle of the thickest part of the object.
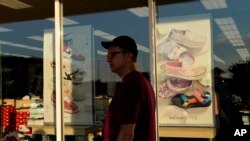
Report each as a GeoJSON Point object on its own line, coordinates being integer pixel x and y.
{"type": "Point", "coordinates": [124, 42]}
{"type": "Point", "coordinates": [122, 53]}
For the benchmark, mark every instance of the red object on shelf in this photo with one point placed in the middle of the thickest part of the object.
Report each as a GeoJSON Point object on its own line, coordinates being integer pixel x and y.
{"type": "Point", "coordinates": [8, 117]}
{"type": "Point", "coordinates": [13, 120]}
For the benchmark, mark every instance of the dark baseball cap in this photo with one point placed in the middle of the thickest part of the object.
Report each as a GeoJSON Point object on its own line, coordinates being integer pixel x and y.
{"type": "Point", "coordinates": [124, 42]}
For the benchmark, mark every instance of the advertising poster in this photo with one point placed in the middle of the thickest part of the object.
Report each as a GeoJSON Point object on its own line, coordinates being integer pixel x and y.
{"type": "Point", "coordinates": [184, 79]}
{"type": "Point", "coordinates": [77, 76]}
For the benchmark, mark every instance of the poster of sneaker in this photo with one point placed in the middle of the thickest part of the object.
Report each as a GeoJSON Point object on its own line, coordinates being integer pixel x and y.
{"type": "Point", "coordinates": [76, 76]}
{"type": "Point", "coordinates": [184, 64]}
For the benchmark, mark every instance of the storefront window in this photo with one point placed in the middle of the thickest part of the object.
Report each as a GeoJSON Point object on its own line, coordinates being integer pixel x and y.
{"type": "Point", "coordinates": [83, 39]}
{"type": "Point", "coordinates": [93, 83]}
{"type": "Point", "coordinates": [201, 48]}
{"type": "Point", "coordinates": [204, 35]}
{"type": "Point", "coordinates": [22, 26]}
{"type": "Point", "coordinates": [27, 46]}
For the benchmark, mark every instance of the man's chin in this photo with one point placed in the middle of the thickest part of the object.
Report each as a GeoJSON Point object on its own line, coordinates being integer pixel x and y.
{"type": "Point", "coordinates": [112, 70]}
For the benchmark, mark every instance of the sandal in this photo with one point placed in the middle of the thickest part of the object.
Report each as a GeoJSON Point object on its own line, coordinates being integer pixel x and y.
{"type": "Point", "coordinates": [199, 99]}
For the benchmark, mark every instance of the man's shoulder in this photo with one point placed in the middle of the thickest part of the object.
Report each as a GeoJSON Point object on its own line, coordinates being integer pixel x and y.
{"type": "Point", "coordinates": [134, 76]}
{"type": "Point", "coordinates": [131, 74]}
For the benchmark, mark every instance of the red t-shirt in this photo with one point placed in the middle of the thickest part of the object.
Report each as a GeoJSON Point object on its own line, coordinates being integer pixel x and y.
{"type": "Point", "coordinates": [133, 103]}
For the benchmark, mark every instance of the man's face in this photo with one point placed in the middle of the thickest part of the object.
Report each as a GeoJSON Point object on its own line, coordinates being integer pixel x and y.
{"type": "Point", "coordinates": [117, 59]}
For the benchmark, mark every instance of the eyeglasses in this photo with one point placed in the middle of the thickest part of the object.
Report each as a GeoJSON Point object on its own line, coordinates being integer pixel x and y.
{"type": "Point", "coordinates": [113, 54]}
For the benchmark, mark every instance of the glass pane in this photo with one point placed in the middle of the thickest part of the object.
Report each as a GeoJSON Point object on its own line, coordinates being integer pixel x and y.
{"type": "Point", "coordinates": [84, 55]}
{"type": "Point", "coordinates": [22, 26]}
{"type": "Point", "coordinates": [227, 74]}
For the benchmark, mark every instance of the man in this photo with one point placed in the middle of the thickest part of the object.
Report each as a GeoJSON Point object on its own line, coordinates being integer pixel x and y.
{"type": "Point", "coordinates": [131, 114]}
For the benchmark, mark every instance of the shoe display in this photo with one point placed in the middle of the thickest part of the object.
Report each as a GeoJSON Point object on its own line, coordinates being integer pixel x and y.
{"type": "Point", "coordinates": [69, 51]}
{"type": "Point", "coordinates": [67, 45]}
{"type": "Point", "coordinates": [66, 49]}
{"type": "Point", "coordinates": [187, 38]}
{"type": "Point", "coordinates": [75, 91]}
{"type": "Point", "coordinates": [171, 50]}
{"type": "Point", "coordinates": [76, 76]}
{"type": "Point", "coordinates": [183, 67]}
{"type": "Point", "coordinates": [69, 105]}
{"type": "Point", "coordinates": [178, 84]}
{"type": "Point", "coordinates": [189, 73]}
{"type": "Point", "coordinates": [199, 99]}
{"type": "Point", "coordinates": [78, 57]}
{"type": "Point", "coordinates": [73, 72]}
{"type": "Point", "coordinates": [173, 86]}
{"type": "Point", "coordinates": [186, 58]}
{"type": "Point", "coordinates": [23, 128]}
{"type": "Point", "coordinates": [165, 92]}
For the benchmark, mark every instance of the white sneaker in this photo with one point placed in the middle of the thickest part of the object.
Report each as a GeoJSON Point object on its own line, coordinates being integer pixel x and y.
{"type": "Point", "coordinates": [186, 38]}
{"type": "Point", "coordinates": [23, 128]}
{"type": "Point", "coordinates": [171, 50]}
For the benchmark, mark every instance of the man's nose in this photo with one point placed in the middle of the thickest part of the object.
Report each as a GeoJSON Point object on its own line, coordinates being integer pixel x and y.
{"type": "Point", "coordinates": [108, 59]}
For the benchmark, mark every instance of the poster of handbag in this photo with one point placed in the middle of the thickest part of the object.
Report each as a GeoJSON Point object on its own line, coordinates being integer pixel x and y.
{"type": "Point", "coordinates": [184, 79]}
{"type": "Point", "coordinates": [76, 76]}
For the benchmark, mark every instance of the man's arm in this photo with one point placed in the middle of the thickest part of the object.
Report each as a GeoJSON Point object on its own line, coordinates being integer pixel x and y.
{"type": "Point", "coordinates": [126, 132]}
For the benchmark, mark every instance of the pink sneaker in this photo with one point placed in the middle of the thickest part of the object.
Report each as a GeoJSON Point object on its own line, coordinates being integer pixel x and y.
{"type": "Point", "coordinates": [189, 73]}
{"type": "Point", "coordinates": [69, 105]}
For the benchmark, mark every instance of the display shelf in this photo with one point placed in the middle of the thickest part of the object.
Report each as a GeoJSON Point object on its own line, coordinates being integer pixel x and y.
{"type": "Point", "coordinates": [69, 130]}
{"type": "Point", "coordinates": [187, 132]}
{"type": "Point", "coordinates": [4, 102]}
{"type": "Point", "coordinates": [25, 105]}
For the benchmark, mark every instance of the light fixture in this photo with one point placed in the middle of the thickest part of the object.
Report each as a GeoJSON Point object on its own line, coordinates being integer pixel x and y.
{"type": "Point", "coordinates": [38, 38]}
{"type": "Point", "coordinates": [224, 21]}
{"type": "Point", "coordinates": [214, 4]}
{"type": "Point", "coordinates": [102, 52]}
{"type": "Point", "coordinates": [2, 29]}
{"type": "Point", "coordinates": [218, 59]}
{"type": "Point", "coordinates": [243, 52]}
{"type": "Point", "coordinates": [14, 4]}
{"type": "Point", "coordinates": [104, 35]}
{"type": "Point", "coordinates": [230, 30]}
{"type": "Point", "coordinates": [13, 54]}
{"type": "Point", "coordinates": [142, 48]}
{"type": "Point", "coordinates": [139, 11]}
{"type": "Point", "coordinates": [110, 37]}
{"type": "Point", "coordinates": [229, 27]}
{"type": "Point", "coordinates": [20, 45]}
{"type": "Point", "coordinates": [66, 21]}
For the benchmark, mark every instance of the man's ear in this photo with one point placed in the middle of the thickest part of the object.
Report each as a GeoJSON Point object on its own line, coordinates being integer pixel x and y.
{"type": "Point", "coordinates": [130, 56]}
